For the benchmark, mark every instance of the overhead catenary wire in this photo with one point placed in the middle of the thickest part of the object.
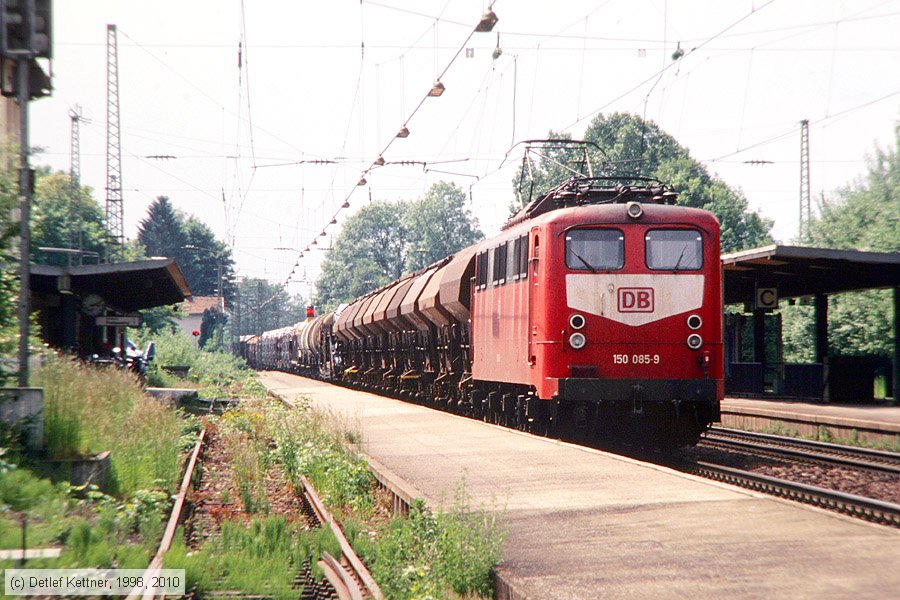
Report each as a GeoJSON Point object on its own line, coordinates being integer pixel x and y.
{"type": "Point", "coordinates": [383, 151]}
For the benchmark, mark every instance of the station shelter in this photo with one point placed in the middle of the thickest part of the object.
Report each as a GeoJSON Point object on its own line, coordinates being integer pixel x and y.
{"type": "Point", "coordinates": [761, 279]}
{"type": "Point", "coordinates": [86, 309]}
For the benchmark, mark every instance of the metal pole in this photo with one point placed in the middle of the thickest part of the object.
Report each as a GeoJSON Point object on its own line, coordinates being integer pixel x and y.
{"type": "Point", "coordinates": [24, 225]}
{"type": "Point", "coordinates": [221, 307]}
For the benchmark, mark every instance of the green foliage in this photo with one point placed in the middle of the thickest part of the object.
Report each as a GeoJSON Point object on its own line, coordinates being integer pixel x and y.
{"type": "Point", "coordinates": [58, 222]}
{"type": "Point", "coordinates": [215, 374]}
{"type": "Point", "coordinates": [9, 281]}
{"type": "Point", "coordinates": [246, 442]}
{"type": "Point", "coordinates": [429, 556]}
{"type": "Point", "coordinates": [260, 557]}
{"type": "Point", "coordinates": [439, 225]}
{"type": "Point", "coordinates": [105, 543]}
{"type": "Point", "coordinates": [864, 215]}
{"type": "Point", "coordinates": [211, 329]}
{"type": "Point", "coordinates": [202, 258]}
{"type": "Point", "coordinates": [224, 375]}
{"type": "Point", "coordinates": [258, 314]}
{"type": "Point", "coordinates": [20, 490]}
{"type": "Point", "coordinates": [369, 252]}
{"type": "Point", "coordinates": [161, 318]}
{"type": "Point", "coordinates": [307, 443]}
{"type": "Point", "coordinates": [384, 239]}
{"type": "Point", "coordinates": [633, 146]}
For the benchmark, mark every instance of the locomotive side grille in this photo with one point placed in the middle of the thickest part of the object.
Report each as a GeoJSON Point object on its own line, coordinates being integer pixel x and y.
{"type": "Point", "coordinates": [583, 371]}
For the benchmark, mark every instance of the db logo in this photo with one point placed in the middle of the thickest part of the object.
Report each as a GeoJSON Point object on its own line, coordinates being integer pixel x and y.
{"type": "Point", "coordinates": [632, 300]}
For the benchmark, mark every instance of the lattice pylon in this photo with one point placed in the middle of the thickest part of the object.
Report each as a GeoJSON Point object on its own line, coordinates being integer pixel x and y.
{"type": "Point", "coordinates": [114, 210]}
{"type": "Point", "coordinates": [805, 204]}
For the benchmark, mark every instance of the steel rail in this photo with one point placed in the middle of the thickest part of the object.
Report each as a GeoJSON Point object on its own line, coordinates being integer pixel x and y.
{"type": "Point", "coordinates": [355, 570]}
{"type": "Point", "coordinates": [805, 450]}
{"type": "Point", "coordinates": [876, 511]}
{"type": "Point", "coordinates": [172, 525]}
{"type": "Point", "coordinates": [342, 581]}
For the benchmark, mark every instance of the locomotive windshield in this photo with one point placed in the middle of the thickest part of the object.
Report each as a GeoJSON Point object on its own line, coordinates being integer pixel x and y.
{"type": "Point", "coordinates": [595, 249]}
{"type": "Point", "coordinates": [674, 249]}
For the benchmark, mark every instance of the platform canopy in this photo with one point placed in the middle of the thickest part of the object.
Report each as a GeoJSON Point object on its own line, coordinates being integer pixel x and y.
{"type": "Point", "coordinates": [801, 271]}
{"type": "Point", "coordinates": [128, 286]}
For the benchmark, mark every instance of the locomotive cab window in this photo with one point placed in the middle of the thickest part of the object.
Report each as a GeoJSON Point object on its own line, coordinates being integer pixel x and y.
{"type": "Point", "coordinates": [595, 249]}
{"type": "Point", "coordinates": [674, 249]}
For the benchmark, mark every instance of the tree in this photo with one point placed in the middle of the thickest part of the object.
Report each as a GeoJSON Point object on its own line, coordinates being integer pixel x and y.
{"type": "Point", "coordinates": [260, 306]}
{"type": "Point", "coordinates": [211, 326]}
{"type": "Point", "coordinates": [369, 252]}
{"type": "Point", "coordinates": [439, 225]}
{"type": "Point", "coordinates": [162, 230]}
{"type": "Point", "coordinates": [631, 146]}
{"type": "Point", "coordinates": [9, 281]}
{"type": "Point", "coordinates": [205, 260]}
{"type": "Point", "coordinates": [58, 222]}
{"type": "Point", "coordinates": [385, 239]}
{"type": "Point", "coordinates": [200, 256]}
{"type": "Point", "coordinates": [864, 215]}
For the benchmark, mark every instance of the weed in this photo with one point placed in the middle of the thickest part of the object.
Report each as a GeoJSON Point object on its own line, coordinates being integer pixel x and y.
{"type": "Point", "coordinates": [428, 555]}
{"type": "Point", "coordinates": [257, 558]}
{"type": "Point", "coordinates": [824, 434]}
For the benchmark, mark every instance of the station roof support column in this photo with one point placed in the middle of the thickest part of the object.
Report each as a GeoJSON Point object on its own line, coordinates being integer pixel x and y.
{"type": "Point", "coordinates": [896, 367]}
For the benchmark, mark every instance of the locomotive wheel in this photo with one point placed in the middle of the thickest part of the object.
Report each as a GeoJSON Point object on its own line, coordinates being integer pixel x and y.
{"type": "Point", "coordinates": [493, 407]}
{"type": "Point", "coordinates": [476, 398]}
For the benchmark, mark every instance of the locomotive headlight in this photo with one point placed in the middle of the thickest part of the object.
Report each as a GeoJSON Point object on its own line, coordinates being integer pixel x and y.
{"type": "Point", "coordinates": [694, 341]}
{"type": "Point", "coordinates": [634, 210]}
{"type": "Point", "coordinates": [577, 340]}
{"type": "Point", "coordinates": [694, 322]}
{"type": "Point", "coordinates": [576, 321]}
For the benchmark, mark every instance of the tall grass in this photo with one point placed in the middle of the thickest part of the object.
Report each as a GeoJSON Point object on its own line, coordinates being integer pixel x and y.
{"type": "Point", "coordinates": [89, 410]}
{"type": "Point", "coordinates": [261, 557]}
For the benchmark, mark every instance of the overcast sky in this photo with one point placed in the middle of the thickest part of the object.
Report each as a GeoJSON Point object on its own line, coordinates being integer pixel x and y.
{"type": "Point", "coordinates": [226, 106]}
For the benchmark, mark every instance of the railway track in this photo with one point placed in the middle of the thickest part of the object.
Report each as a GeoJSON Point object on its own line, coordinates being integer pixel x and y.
{"type": "Point", "coordinates": [876, 511]}
{"type": "Point", "coordinates": [346, 576]}
{"type": "Point", "coordinates": [878, 465]}
{"type": "Point", "coordinates": [833, 455]}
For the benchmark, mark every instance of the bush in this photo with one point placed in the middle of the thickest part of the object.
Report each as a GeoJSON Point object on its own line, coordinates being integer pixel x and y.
{"type": "Point", "coordinates": [216, 374]}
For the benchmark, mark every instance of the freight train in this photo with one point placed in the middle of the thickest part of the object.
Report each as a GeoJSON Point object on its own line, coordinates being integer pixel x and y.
{"type": "Point", "coordinates": [595, 314]}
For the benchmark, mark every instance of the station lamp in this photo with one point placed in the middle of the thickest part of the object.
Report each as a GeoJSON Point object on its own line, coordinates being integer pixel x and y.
{"type": "Point", "coordinates": [487, 22]}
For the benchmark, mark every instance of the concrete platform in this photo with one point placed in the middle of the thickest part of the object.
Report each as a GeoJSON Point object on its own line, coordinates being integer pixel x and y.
{"type": "Point", "coordinates": [866, 422]}
{"type": "Point", "coordinates": [586, 524]}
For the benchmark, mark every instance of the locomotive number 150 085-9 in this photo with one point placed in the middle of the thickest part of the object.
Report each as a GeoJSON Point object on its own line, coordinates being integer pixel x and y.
{"type": "Point", "coordinates": [636, 359]}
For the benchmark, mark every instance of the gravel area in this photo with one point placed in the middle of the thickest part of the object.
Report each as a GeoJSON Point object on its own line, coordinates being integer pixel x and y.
{"type": "Point", "coordinates": [860, 482]}
{"type": "Point", "coordinates": [217, 499]}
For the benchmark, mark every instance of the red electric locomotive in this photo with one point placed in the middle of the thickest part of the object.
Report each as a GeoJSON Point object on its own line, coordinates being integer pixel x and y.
{"type": "Point", "coordinates": [602, 306]}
